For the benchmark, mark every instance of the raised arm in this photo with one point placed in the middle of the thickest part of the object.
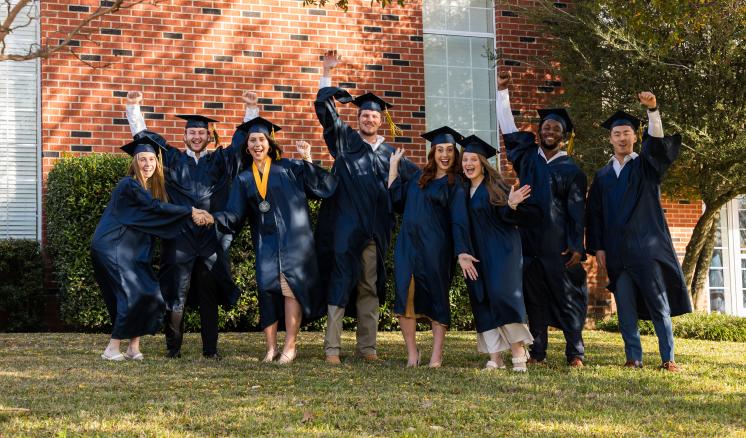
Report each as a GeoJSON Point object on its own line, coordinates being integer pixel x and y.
{"type": "Point", "coordinates": [134, 116]}
{"type": "Point", "coordinates": [504, 112]}
{"type": "Point", "coordinates": [317, 182]}
{"type": "Point", "coordinates": [658, 150]}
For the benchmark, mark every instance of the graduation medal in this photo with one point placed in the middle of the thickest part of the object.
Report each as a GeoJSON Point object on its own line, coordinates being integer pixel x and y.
{"type": "Point", "coordinates": [261, 183]}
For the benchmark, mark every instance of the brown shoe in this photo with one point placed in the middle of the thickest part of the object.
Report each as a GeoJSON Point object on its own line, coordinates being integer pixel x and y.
{"type": "Point", "coordinates": [532, 361]}
{"type": "Point", "coordinates": [671, 366]}
{"type": "Point", "coordinates": [370, 357]}
{"type": "Point", "coordinates": [576, 362]}
{"type": "Point", "coordinates": [333, 360]}
{"type": "Point", "coordinates": [633, 364]}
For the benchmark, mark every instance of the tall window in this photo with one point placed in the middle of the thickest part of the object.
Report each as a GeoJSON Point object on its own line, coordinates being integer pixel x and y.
{"type": "Point", "coordinates": [19, 123]}
{"type": "Point", "coordinates": [459, 81]}
{"type": "Point", "coordinates": [727, 274]}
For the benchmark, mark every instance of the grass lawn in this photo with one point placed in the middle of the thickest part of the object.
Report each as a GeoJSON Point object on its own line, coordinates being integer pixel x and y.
{"type": "Point", "coordinates": [55, 384]}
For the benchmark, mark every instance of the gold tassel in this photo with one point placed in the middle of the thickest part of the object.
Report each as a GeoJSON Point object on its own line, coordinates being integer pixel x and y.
{"type": "Point", "coordinates": [215, 136]}
{"type": "Point", "coordinates": [395, 130]}
{"type": "Point", "coordinates": [272, 134]}
{"type": "Point", "coordinates": [571, 143]}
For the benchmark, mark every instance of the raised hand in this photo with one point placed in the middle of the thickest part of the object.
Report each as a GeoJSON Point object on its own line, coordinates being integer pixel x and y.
{"type": "Point", "coordinates": [648, 99]}
{"type": "Point", "coordinates": [330, 61]}
{"type": "Point", "coordinates": [503, 79]}
{"type": "Point", "coordinates": [517, 196]}
{"type": "Point", "coordinates": [250, 98]}
{"type": "Point", "coordinates": [396, 157]}
{"type": "Point", "coordinates": [466, 261]}
{"type": "Point", "coordinates": [134, 98]}
{"type": "Point", "coordinates": [304, 149]}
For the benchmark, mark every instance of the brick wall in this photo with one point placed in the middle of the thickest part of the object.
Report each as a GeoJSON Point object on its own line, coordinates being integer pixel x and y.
{"type": "Point", "coordinates": [199, 56]}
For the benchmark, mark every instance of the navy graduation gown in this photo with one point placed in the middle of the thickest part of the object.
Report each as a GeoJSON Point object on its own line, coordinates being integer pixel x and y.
{"type": "Point", "coordinates": [497, 295]}
{"type": "Point", "coordinates": [360, 210]}
{"type": "Point", "coordinates": [558, 188]}
{"type": "Point", "coordinates": [625, 219]}
{"type": "Point", "coordinates": [122, 251]}
{"type": "Point", "coordinates": [205, 185]}
{"type": "Point", "coordinates": [282, 237]}
{"type": "Point", "coordinates": [434, 230]}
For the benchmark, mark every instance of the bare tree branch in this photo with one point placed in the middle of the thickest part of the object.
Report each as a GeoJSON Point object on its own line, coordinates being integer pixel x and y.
{"type": "Point", "coordinates": [47, 49]}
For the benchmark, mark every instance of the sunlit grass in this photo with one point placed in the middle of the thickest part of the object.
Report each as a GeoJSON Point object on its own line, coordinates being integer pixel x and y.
{"type": "Point", "coordinates": [52, 384]}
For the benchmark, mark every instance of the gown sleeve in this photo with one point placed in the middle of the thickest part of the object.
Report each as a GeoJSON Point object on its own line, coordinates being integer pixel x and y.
{"type": "Point", "coordinates": [659, 154]}
{"type": "Point", "coordinates": [149, 215]}
{"type": "Point", "coordinates": [526, 214]}
{"type": "Point", "coordinates": [336, 132]}
{"type": "Point", "coordinates": [594, 220]}
{"type": "Point", "coordinates": [576, 212]}
{"type": "Point", "coordinates": [520, 147]}
{"type": "Point", "coordinates": [459, 220]}
{"type": "Point", "coordinates": [232, 219]}
{"type": "Point", "coordinates": [318, 183]}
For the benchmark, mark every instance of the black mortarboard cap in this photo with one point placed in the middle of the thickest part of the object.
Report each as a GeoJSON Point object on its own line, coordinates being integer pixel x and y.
{"type": "Point", "coordinates": [196, 121]}
{"type": "Point", "coordinates": [259, 124]}
{"type": "Point", "coordinates": [476, 145]}
{"type": "Point", "coordinates": [620, 118]}
{"type": "Point", "coordinates": [444, 134]}
{"type": "Point", "coordinates": [370, 101]}
{"type": "Point", "coordinates": [558, 114]}
{"type": "Point", "coordinates": [142, 144]}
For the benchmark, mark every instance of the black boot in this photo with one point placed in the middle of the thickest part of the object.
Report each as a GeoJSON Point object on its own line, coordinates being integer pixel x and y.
{"type": "Point", "coordinates": [174, 333]}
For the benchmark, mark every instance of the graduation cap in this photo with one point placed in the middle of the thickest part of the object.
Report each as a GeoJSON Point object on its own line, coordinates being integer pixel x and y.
{"type": "Point", "coordinates": [557, 114]}
{"type": "Point", "coordinates": [561, 116]}
{"type": "Point", "coordinates": [370, 101]}
{"type": "Point", "coordinates": [476, 145]}
{"type": "Point", "coordinates": [444, 134]}
{"type": "Point", "coordinates": [196, 121]}
{"type": "Point", "coordinates": [260, 124]}
{"type": "Point", "coordinates": [620, 118]}
{"type": "Point", "coordinates": [142, 144]}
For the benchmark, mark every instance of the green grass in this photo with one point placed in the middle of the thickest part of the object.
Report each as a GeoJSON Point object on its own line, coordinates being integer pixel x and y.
{"type": "Point", "coordinates": [68, 390]}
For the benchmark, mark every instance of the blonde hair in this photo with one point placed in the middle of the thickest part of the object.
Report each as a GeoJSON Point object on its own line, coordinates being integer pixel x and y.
{"type": "Point", "coordinates": [156, 184]}
{"type": "Point", "coordinates": [494, 183]}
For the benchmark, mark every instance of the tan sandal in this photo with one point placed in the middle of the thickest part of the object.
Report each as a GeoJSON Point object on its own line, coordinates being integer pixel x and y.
{"type": "Point", "coordinates": [286, 359]}
{"type": "Point", "coordinates": [272, 355]}
{"type": "Point", "coordinates": [519, 363]}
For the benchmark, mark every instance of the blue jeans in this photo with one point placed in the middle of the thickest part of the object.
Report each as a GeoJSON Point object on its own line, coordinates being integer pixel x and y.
{"type": "Point", "coordinates": [626, 302]}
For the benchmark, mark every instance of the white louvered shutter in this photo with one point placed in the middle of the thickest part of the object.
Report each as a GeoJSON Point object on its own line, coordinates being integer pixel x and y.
{"type": "Point", "coordinates": [20, 155]}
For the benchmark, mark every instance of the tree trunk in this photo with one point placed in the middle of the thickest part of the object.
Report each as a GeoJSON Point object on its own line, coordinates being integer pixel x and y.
{"type": "Point", "coordinates": [697, 243]}
{"type": "Point", "coordinates": [699, 282]}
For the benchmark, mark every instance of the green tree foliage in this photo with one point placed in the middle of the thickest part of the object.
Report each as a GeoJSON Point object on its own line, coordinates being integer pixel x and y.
{"type": "Point", "coordinates": [692, 55]}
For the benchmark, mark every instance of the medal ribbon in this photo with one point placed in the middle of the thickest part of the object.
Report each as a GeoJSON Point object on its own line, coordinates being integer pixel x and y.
{"type": "Point", "coordinates": [262, 180]}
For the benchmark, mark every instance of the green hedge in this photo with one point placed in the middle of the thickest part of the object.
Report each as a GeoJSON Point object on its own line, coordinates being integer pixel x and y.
{"type": "Point", "coordinates": [21, 290]}
{"type": "Point", "coordinates": [705, 326]}
{"type": "Point", "coordinates": [78, 189]}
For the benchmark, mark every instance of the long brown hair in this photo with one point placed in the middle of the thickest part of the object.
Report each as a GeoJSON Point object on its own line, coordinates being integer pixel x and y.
{"type": "Point", "coordinates": [156, 184]}
{"type": "Point", "coordinates": [431, 168]}
{"type": "Point", "coordinates": [494, 183]}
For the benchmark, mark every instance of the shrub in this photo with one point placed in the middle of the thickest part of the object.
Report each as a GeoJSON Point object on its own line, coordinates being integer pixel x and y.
{"type": "Point", "coordinates": [21, 291]}
{"type": "Point", "coordinates": [704, 326]}
{"type": "Point", "coordinates": [78, 189]}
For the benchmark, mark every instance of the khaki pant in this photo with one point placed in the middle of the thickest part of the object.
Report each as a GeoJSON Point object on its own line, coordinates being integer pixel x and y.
{"type": "Point", "coordinates": [367, 310]}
